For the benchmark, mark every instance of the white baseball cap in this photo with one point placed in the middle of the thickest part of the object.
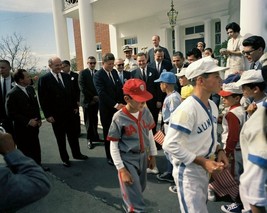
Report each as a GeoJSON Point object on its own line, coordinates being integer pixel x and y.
{"type": "Point", "coordinates": [201, 66]}
{"type": "Point", "coordinates": [229, 89]}
{"type": "Point", "coordinates": [181, 73]}
{"type": "Point", "coordinates": [249, 77]}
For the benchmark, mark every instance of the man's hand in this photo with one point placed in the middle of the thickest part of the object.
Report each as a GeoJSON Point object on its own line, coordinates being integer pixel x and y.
{"type": "Point", "coordinates": [50, 119]}
{"type": "Point", "coordinates": [210, 166]}
{"type": "Point", "coordinates": [6, 143]}
{"type": "Point", "coordinates": [34, 122]}
{"type": "Point", "coordinates": [222, 158]}
{"type": "Point", "coordinates": [125, 175]}
{"type": "Point", "coordinates": [159, 104]}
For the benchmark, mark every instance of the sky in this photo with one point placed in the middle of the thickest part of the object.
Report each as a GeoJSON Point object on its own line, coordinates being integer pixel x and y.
{"type": "Point", "coordinates": [33, 20]}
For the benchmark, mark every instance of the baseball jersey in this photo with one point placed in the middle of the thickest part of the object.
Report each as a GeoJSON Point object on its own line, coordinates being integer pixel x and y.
{"type": "Point", "coordinates": [194, 119]}
{"type": "Point", "coordinates": [171, 102]}
{"type": "Point", "coordinates": [254, 152]}
{"type": "Point", "coordinates": [131, 133]}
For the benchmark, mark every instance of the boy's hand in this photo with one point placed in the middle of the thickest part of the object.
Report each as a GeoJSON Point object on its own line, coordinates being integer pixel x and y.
{"type": "Point", "coordinates": [151, 162]}
{"type": "Point", "coordinates": [221, 157]}
{"type": "Point", "coordinates": [125, 176]}
{"type": "Point", "coordinates": [251, 108]}
{"type": "Point", "coordinates": [6, 143]}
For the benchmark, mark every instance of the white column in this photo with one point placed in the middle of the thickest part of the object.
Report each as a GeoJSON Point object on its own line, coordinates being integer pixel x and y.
{"type": "Point", "coordinates": [61, 32]}
{"type": "Point", "coordinates": [114, 48]}
{"type": "Point", "coordinates": [177, 38]}
{"type": "Point", "coordinates": [207, 33]}
{"type": "Point", "coordinates": [224, 22]}
{"type": "Point", "coordinates": [253, 17]}
{"type": "Point", "coordinates": [87, 26]}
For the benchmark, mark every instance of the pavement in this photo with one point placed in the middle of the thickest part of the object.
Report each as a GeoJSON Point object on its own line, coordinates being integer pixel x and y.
{"type": "Point", "coordinates": [92, 185]}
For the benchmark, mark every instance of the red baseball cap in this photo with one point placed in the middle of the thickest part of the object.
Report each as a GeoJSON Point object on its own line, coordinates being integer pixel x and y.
{"type": "Point", "coordinates": [136, 88]}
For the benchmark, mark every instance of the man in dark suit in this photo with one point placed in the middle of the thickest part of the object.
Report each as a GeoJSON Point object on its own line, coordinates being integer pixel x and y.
{"type": "Point", "coordinates": [149, 75]}
{"type": "Point", "coordinates": [160, 64]}
{"type": "Point", "coordinates": [109, 89]}
{"type": "Point", "coordinates": [58, 103]}
{"type": "Point", "coordinates": [6, 84]}
{"type": "Point", "coordinates": [89, 101]}
{"type": "Point", "coordinates": [76, 89]}
{"type": "Point", "coordinates": [123, 75]}
{"type": "Point", "coordinates": [253, 50]}
{"type": "Point", "coordinates": [23, 109]}
{"type": "Point", "coordinates": [155, 41]}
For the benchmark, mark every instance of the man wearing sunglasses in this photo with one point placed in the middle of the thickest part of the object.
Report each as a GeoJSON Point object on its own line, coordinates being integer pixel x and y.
{"type": "Point", "coordinates": [123, 75]}
{"type": "Point", "coordinates": [253, 50]}
{"type": "Point", "coordinates": [89, 101]}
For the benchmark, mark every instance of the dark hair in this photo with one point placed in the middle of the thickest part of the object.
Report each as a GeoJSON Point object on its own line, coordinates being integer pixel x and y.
{"type": "Point", "coordinates": [18, 75]}
{"type": "Point", "coordinates": [108, 57]}
{"type": "Point", "coordinates": [196, 52]}
{"type": "Point", "coordinates": [91, 57]}
{"type": "Point", "coordinates": [178, 53]}
{"type": "Point", "coordinates": [5, 61]}
{"type": "Point", "coordinates": [255, 42]}
{"type": "Point", "coordinates": [209, 49]}
{"type": "Point", "coordinates": [141, 54]}
{"type": "Point", "coordinates": [158, 49]}
{"type": "Point", "coordinates": [261, 85]}
{"type": "Point", "coordinates": [66, 62]}
{"type": "Point", "coordinates": [236, 95]}
{"type": "Point", "coordinates": [234, 26]}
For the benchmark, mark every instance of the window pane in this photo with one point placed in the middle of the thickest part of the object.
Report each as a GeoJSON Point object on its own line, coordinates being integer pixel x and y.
{"type": "Point", "coordinates": [199, 29]}
{"type": "Point", "coordinates": [189, 30]}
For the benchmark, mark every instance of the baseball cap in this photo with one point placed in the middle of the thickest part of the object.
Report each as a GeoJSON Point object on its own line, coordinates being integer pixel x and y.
{"type": "Point", "coordinates": [167, 77]}
{"type": "Point", "coordinates": [231, 78]}
{"type": "Point", "coordinates": [127, 48]}
{"type": "Point", "coordinates": [182, 72]}
{"type": "Point", "coordinates": [201, 66]}
{"type": "Point", "coordinates": [136, 88]}
{"type": "Point", "coordinates": [229, 89]}
{"type": "Point", "coordinates": [249, 77]}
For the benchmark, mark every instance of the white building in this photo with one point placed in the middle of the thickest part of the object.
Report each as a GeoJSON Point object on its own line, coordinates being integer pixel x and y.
{"type": "Point", "coordinates": [135, 22]}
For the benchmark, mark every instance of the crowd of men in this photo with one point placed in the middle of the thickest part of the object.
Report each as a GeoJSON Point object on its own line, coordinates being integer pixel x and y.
{"type": "Point", "coordinates": [61, 92]}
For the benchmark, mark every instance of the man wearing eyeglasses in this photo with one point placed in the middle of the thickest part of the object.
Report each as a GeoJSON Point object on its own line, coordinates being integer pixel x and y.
{"type": "Point", "coordinates": [89, 101]}
{"type": "Point", "coordinates": [253, 50]}
{"type": "Point", "coordinates": [123, 75]}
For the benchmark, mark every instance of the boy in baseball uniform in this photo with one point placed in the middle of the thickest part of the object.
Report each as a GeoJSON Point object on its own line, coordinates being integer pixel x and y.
{"type": "Point", "coordinates": [192, 137]}
{"type": "Point", "coordinates": [132, 144]}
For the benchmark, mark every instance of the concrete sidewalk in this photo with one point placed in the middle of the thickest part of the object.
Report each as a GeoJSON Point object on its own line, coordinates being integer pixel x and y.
{"type": "Point", "coordinates": [92, 185]}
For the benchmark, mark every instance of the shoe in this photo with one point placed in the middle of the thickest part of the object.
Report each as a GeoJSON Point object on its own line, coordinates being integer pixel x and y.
{"type": "Point", "coordinates": [234, 207]}
{"type": "Point", "coordinates": [66, 163]}
{"type": "Point", "coordinates": [173, 189]}
{"type": "Point", "coordinates": [166, 176]}
{"type": "Point", "coordinates": [211, 195]}
{"type": "Point", "coordinates": [110, 162]}
{"type": "Point", "coordinates": [81, 157]}
{"type": "Point", "coordinates": [90, 145]}
{"type": "Point", "coordinates": [152, 171]}
{"type": "Point", "coordinates": [45, 168]}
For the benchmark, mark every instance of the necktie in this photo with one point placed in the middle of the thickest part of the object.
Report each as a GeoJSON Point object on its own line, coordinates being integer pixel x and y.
{"type": "Point", "coordinates": [110, 77]}
{"type": "Point", "coordinates": [59, 81]}
{"type": "Point", "coordinates": [158, 67]}
{"type": "Point", "coordinates": [4, 90]}
{"type": "Point", "coordinates": [144, 74]}
{"type": "Point", "coordinates": [121, 77]}
{"type": "Point", "coordinates": [252, 66]}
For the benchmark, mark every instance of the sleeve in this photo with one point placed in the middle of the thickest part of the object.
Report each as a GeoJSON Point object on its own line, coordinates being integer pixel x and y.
{"type": "Point", "coordinates": [173, 145]}
{"type": "Point", "coordinates": [115, 154]}
{"type": "Point", "coordinates": [44, 96]}
{"type": "Point", "coordinates": [26, 184]}
{"type": "Point", "coordinates": [233, 132]}
{"type": "Point", "coordinates": [152, 146]}
{"type": "Point", "coordinates": [114, 133]}
{"type": "Point", "coordinates": [84, 87]}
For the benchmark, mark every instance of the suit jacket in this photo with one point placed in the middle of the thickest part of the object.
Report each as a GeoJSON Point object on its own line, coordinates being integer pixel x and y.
{"type": "Point", "coordinates": [165, 65]}
{"type": "Point", "coordinates": [109, 93]}
{"type": "Point", "coordinates": [56, 101]}
{"type": "Point", "coordinates": [151, 86]}
{"type": "Point", "coordinates": [3, 114]}
{"type": "Point", "coordinates": [87, 87]}
{"type": "Point", "coordinates": [75, 85]}
{"type": "Point", "coordinates": [151, 59]}
{"type": "Point", "coordinates": [22, 108]}
{"type": "Point", "coordinates": [126, 76]}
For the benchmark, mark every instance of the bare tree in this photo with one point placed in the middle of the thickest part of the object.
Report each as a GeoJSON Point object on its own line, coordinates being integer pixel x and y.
{"type": "Point", "coordinates": [14, 49]}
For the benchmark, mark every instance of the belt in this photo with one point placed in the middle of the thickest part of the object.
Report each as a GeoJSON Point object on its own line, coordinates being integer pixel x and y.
{"type": "Point", "coordinates": [133, 152]}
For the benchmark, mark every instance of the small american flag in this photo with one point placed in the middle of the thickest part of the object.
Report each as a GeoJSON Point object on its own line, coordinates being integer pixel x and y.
{"type": "Point", "coordinates": [225, 184]}
{"type": "Point", "coordinates": [159, 137]}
